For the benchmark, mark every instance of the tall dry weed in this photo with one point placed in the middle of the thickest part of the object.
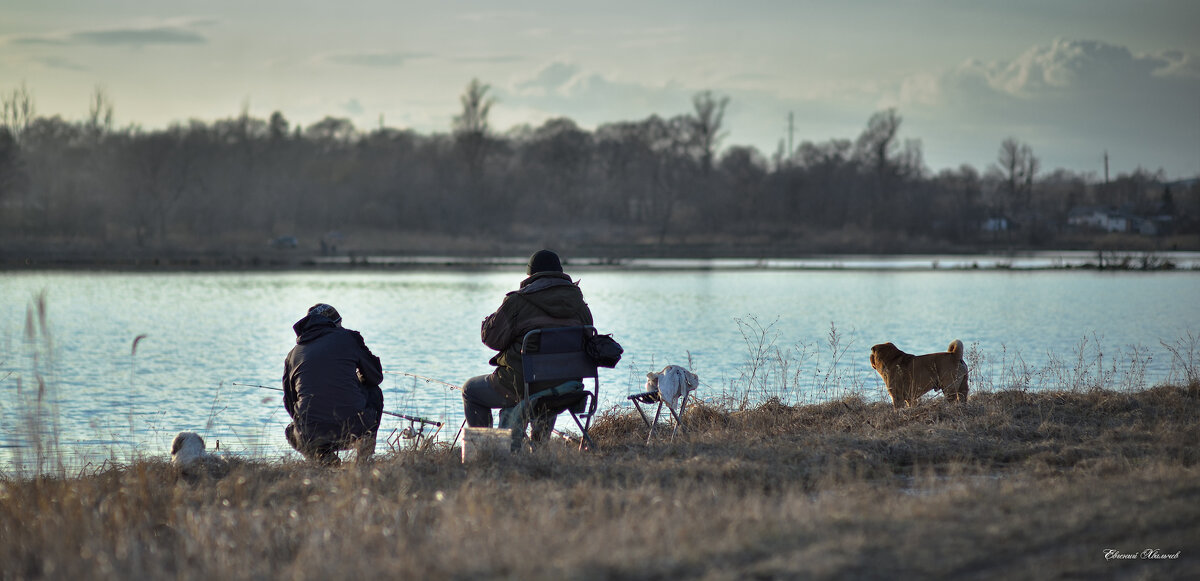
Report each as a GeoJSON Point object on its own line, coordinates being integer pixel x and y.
{"type": "Point", "coordinates": [802, 372]}
{"type": "Point", "coordinates": [35, 398]}
{"type": "Point", "coordinates": [1185, 360]}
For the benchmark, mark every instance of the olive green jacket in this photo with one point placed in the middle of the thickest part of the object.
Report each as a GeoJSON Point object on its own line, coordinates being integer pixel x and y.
{"type": "Point", "coordinates": [546, 299]}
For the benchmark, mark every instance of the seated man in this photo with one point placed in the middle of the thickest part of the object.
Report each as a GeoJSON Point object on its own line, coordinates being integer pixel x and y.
{"type": "Point", "coordinates": [547, 298]}
{"type": "Point", "coordinates": [331, 389]}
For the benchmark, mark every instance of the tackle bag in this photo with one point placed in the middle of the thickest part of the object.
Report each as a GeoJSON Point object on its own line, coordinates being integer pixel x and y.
{"type": "Point", "coordinates": [604, 350]}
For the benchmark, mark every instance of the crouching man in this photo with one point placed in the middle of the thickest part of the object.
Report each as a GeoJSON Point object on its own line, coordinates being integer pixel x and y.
{"type": "Point", "coordinates": [331, 389]}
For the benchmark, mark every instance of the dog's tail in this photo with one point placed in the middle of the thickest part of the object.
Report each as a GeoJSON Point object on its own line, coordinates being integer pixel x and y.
{"type": "Point", "coordinates": [956, 347]}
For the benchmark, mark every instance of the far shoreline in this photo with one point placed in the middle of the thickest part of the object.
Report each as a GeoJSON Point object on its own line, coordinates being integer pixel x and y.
{"type": "Point", "coordinates": [288, 260]}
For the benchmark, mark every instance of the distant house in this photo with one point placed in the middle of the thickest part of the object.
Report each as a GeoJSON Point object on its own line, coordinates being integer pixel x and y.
{"type": "Point", "coordinates": [997, 224]}
{"type": "Point", "coordinates": [1101, 218]}
{"type": "Point", "coordinates": [1109, 219]}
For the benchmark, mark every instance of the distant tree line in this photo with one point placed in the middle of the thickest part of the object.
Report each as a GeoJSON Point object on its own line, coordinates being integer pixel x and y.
{"type": "Point", "coordinates": [655, 181]}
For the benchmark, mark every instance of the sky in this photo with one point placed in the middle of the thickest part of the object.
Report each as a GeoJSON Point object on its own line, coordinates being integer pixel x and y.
{"type": "Point", "coordinates": [1073, 79]}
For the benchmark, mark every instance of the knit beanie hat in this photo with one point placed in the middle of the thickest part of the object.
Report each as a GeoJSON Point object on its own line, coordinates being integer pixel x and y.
{"type": "Point", "coordinates": [326, 311]}
{"type": "Point", "coordinates": [544, 261]}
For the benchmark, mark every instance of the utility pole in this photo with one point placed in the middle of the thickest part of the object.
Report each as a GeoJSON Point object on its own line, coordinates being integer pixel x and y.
{"type": "Point", "coordinates": [1106, 168]}
{"type": "Point", "coordinates": [791, 131]}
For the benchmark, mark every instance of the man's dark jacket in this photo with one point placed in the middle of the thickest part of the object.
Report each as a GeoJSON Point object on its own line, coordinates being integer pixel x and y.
{"type": "Point", "coordinates": [330, 375]}
{"type": "Point", "coordinates": [545, 299]}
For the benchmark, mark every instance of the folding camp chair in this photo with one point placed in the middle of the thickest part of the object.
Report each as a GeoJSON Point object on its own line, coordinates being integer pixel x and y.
{"type": "Point", "coordinates": [653, 397]}
{"type": "Point", "coordinates": [556, 357]}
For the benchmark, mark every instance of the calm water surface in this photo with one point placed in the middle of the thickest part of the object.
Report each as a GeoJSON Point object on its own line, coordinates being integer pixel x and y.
{"type": "Point", "coordinates": [206, 331]}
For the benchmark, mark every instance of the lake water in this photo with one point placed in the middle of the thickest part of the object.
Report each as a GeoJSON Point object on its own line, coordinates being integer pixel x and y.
{"type": "Point", "coordinates": [748, 331]}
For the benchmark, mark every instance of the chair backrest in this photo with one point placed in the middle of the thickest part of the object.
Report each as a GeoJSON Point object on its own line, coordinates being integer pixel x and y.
{"type": "Point", "coordinates": [558, 353]}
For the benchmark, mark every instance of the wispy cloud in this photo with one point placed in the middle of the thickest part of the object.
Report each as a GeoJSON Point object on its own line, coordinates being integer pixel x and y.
{"type": "Point", "coordinates": [650, 38]}
{"type": "Point", "coordinates": [396, 59]}
{"type": "Point", "coordinates": [1179, 64]}
{"type": "Point", "coordinates": [54, 62]}
{"type": "Point", "coordinates": [489, 59]}
{"type": "Point", "coordinates": [375, 59]}
{"type": "Point", "coordinates": [139, 36]}
{"type": "Point", "coordinates": [353, 107]}
{"type": "Point", "coordinates": [38, 41]}
{"type": "Point", "coordinates": [553, 78]}
{"type": "Point", "coordinates": [493, 16]}
{"type": "Point", "coordinates": [560, 86]}
{"type": "Point", "coordinates": [135, 36]}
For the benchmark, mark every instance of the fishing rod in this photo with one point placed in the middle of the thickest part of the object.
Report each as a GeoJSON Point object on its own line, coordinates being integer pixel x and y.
{"type": "Point", "coordinates": [402, 416]}
{"type": "Point", "coordinates": [456, 388]}
{"type": "Point", "coordinates": [427, 379]}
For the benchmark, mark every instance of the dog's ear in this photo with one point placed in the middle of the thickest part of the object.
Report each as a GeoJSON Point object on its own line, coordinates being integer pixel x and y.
{"type": "Point", "coordinates": [176, 444]}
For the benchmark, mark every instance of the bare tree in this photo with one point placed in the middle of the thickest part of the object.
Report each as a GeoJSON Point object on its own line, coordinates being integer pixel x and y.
{"type": "Point", "coordinates": [740, 198]}
{"type": "Point", "coordinates": [17, 111]}
{"type": "Point", "coordinates": [12, 171]}
{"type": "Point", "coordinates": [331, 132]}
{"type": "Point", "coordinates": [100, 115]}
{"type": "Point", "coordinates": [277, 127]}
{"type": "Point", "coordinates": [471, 127]}
{"type": "Point", "coordinates": [877, 143]}
{"type": "Point", "coordinates": [628, 165]}
{"type": "Point", "coordinates": [710, 115]}
{"type": "Point", "coordinates": [558, 155]}
{"type": "Point", "coordinates": [475, 106]}
{"type": "Point", "coordinates": [875, 150]}
{"type": "Point", "coordinates": [1019, 166]}
{"type": "Point", "coordinates": [162, 172]}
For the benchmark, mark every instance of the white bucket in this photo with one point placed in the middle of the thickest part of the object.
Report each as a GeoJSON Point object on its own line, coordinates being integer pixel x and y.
{"type": "Point", "coordinates": [484, 443]}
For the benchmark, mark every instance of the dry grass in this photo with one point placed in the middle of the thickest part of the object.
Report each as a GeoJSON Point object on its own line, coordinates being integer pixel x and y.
{"type": "Point", "coordinates": [1010, 485]}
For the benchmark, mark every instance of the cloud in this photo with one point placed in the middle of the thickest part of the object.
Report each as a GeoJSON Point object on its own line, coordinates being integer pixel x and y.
{"type": "Point", "coordinates": [38, 41]}
{"type": "Point", "coordinates": [756, 116]}
{"type": "Point", "coordinates": [1070, 99]}
{"type": "Point", "coordinates": [54, 62]}
{"type": "Point", "coordinates": [1179, 64]}
{"type": "Point", "coordinates": [164, 34]}
{"type": "Point", "coordinates": [565, 89]}
{"type": "Point", "coordinates": [653, 38]}
{"type": "Point", "coordinates": [353, 107]}
{"type": "Point", "coordinates": [1068, 65]}
{"type": "Point", "coordinates": [139, 36]}
{"type": "Point", "coordinates": [375, 59]}
{"type": "Point", "coordinates": [1064, 69]}
{"type": "Point", "coordinates": [498, 16]}
{"type": "Point", "coordinates": [489, 59]}
{"type": "Point", "coordinates": [399, 59]}
{"type": "Point", "coordinates": [551, 79]}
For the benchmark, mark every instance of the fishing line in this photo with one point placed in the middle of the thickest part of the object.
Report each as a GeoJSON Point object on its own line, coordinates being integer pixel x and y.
{"type": "Point", "coordinates": [427, 379]}
{"type": "Point", "coordinates": [409, 418]}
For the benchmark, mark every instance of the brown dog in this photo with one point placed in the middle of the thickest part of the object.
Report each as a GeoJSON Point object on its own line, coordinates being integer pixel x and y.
{"type": "Point", "coordinates": [908, 376]}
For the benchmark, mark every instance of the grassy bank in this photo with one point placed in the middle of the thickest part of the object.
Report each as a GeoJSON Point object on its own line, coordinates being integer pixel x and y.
{"type": "Point", "coordinates": [1013, 484]}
